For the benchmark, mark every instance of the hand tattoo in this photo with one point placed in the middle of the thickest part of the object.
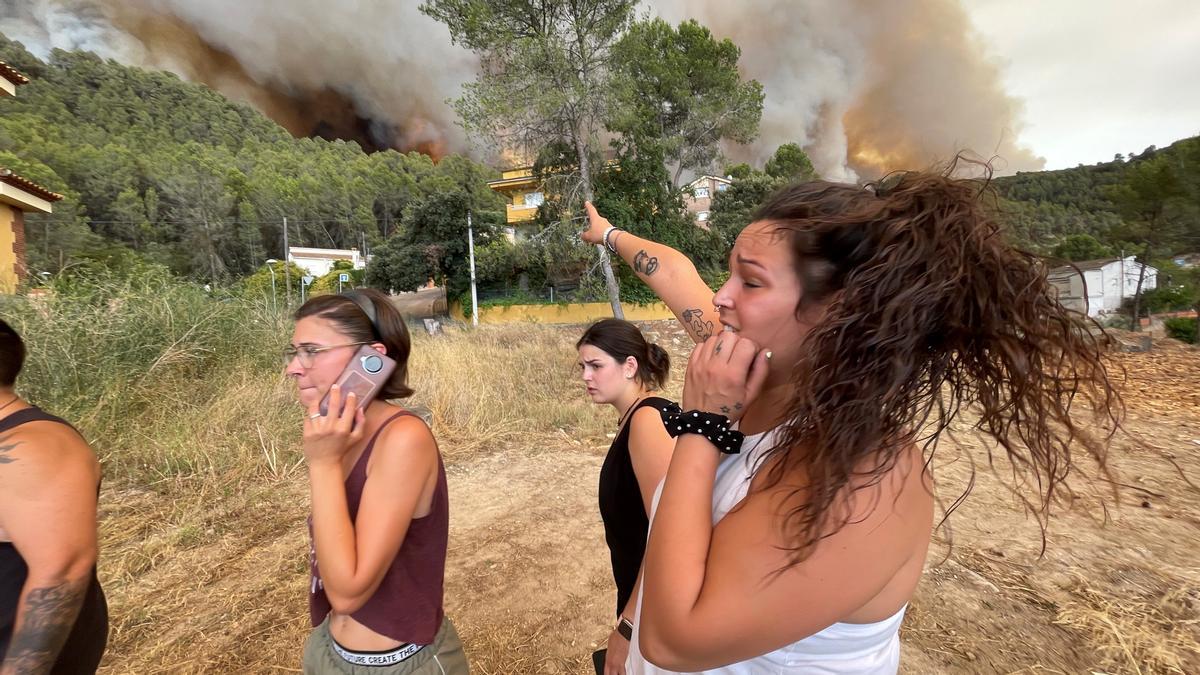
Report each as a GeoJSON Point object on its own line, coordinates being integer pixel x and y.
{"type": "Point", "coordinates": [694, 320]}
{"type": "Point", "coordinates": [644, 263]}
{"type": "Point", "coordinates": [718, 349]}
{"type": "Point", "coordinates": [5, 447]}
{"type": "Point", "coordinates": [43, 626]}
{"type": "Point", "coordinates": [725, 409]}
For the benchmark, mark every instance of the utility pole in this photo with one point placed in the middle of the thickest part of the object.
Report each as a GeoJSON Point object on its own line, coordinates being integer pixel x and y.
{"type": "Point", "coordinates": [471, 256]}
{"type": "Point", "coordinates": [287, 272]}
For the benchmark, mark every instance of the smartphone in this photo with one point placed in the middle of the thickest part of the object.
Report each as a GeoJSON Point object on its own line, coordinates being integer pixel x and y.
{"type": "Point", "coordinates": [365, 375]}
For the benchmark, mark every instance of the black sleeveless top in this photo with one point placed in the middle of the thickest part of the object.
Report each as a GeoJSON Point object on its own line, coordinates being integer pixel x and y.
{"type": "Point", "coordinates": [85, 645]}
{"type": "Point", "coordinates": [626, 522]}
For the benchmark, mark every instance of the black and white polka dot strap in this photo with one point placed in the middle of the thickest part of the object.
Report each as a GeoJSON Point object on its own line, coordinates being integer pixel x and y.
{"type": "Point", "coordinates": [713, 426]}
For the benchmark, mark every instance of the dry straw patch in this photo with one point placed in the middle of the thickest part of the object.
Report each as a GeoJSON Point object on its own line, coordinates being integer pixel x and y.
{"type": "Point", "coordinates": [1137, 636]}
{"type": "Point", "coordinates": [498, 385]}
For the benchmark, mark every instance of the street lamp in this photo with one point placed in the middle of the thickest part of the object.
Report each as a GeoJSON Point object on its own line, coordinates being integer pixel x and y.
{"type": "Point", "coordinates": [274, 300]}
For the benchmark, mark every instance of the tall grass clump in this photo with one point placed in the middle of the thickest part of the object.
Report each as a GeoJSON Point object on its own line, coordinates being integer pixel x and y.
{"type": "Point", "coordinates": [169, 381]}
{"type": "Point", "coordinates": [162, 377]}
{"type": "Point", "coordinates": [506, 385]}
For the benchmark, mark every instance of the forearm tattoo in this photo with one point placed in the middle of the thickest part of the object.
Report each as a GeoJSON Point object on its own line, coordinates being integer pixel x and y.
{"type": "Point", "coordinates": [43, 625]}
{"type": "Point", "coordinates": [693, 320]}
{"type": "Point", "coordinates": [644, 263]}
{"type": "Point", "coordinates": [6, 447]}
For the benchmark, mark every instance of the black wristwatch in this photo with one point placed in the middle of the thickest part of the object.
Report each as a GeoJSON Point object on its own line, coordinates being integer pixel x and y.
{"type": "Point", "coordinates": [625, 629]}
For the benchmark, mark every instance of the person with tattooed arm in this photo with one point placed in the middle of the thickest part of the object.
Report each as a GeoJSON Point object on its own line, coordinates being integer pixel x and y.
{"type": "Point", "coordinates": [857, 321]}
{"type": "Point", "coordinates": [678, 284]}
{"type": "Point", "coordinates": [53, 616]}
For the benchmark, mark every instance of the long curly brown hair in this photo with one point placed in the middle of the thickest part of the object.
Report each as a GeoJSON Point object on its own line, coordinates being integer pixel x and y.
{"type": "Point", "coordinates": [928, 311]}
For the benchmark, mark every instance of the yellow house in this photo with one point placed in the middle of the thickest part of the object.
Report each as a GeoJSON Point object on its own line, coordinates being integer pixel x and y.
{"type": "Point", "coordinates": [17, 196]}
{"type": "Point", "coordinates": [523, 192]}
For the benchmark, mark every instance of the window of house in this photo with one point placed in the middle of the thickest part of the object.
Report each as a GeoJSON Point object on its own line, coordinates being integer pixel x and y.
{"type": "Point", "coordinates": [534, 199]}
{"type": "Point", "coordinates": [702, 215]}
{"type": "Point", "coordinates": [721, 187]}
{"type": "Point", "coordinates": [701, 193]}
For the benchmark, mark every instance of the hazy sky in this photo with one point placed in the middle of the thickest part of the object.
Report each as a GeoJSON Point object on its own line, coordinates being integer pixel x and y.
{"type": "Point", "coordinates": [1098, 76]}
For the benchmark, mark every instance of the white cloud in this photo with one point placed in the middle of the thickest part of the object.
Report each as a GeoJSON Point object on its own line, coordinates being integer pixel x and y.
{"type": "Point", "coordinates": [1100, 77]}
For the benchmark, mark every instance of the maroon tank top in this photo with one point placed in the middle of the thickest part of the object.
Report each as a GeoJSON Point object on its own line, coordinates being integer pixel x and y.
{"type": "Point", "coordinates": [407, 606]}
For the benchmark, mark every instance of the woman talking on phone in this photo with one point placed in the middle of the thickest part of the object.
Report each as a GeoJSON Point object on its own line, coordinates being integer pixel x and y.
{"type": "Point", "coordinates": [380, 516]}
{"type": "Point", "coordinates": [792, 527]}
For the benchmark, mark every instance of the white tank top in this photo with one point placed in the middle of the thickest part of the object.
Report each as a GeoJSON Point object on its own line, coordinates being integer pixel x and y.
{"type": "Point", "coordinates": [840, 649]}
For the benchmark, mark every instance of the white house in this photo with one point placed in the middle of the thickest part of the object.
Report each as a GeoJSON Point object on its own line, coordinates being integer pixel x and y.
{"type": "Point", "coordinates": [1104, 284]}
{"type": "Point", "coordinates": [319, 261]}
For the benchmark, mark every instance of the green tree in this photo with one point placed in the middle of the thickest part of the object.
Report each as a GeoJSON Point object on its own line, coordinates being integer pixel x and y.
{"type": "Point", "coordinates": [791, 164]}
{"type": "Point", "coordinates": [1077, 247]}
{"type": "Point", "coordinates": [329, 282]}
{"type": "Point", "coordinates": [501, 264]}
{"type": "Point", "coordinates": [432, 244]}
{"type": "Point", "coordinates": [259, 284]}
{"type": "Point", "coordinates": [1148, 200]}
{"type": "Point", "coordinates": [197, 198]}
{"type": "Point", "coordinates": [545, 77]}
{"type": "Point", "coordinates": [733, 208]}
{"type": "Point", "coordinates": [742, 170]}
{"type": "Point", "coordinates": [679, 94]}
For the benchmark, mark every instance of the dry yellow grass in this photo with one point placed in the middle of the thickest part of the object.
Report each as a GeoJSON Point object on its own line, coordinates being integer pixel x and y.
{"type": "Point", "coordinates": [1134, 635]}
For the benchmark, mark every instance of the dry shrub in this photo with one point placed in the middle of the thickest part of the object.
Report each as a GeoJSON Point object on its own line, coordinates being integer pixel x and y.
{"type": "Point", "coordinates": [1138, 636]}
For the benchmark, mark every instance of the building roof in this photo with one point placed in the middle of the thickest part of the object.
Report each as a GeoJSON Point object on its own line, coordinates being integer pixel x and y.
{"type": "Point", "coordinates": [7, 176]}
{"type": "Point", "coordinates": [12, 74]}
{"type": "Point", "coordinates": [1094, 264]}
{"type": "Point", "coordinates": [332, 253]}
{"type": "Point", "coordinates": [1090, 265]}
{"type": "Point", "coordinates": [517, 181]}
{"type": "Point", "coordinates": [719, 179]}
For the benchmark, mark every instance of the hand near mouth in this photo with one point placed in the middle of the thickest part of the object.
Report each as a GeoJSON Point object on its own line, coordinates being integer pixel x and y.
{"type": "Point", "coordinates": [725, 374]}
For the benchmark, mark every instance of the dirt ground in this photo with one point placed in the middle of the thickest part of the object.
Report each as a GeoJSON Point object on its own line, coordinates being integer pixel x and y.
{"type": "Point", "coordinates": [216, 583]}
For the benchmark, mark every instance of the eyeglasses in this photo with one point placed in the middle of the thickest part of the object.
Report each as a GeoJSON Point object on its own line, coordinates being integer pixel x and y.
{"type": "Point", "coordinates": [308, 353]}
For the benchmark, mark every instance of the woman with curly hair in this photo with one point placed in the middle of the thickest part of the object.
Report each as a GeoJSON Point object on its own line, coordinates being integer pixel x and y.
{"type": "Point", "coordinates": [793, 524]}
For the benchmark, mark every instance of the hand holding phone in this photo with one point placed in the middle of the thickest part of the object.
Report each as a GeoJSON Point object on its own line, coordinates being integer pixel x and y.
{"type": "Point", "coordinates": [365, 375]}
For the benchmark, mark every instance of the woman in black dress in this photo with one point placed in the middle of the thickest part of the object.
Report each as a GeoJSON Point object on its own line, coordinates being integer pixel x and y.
{"type": "Point", "coordinates": [623, 370]}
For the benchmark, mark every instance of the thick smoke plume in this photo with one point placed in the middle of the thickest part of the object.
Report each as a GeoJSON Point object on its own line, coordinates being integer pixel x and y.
{"type": "Point", "coordinates": [374, 72]}
{"type": "Point", "coordinates": [870, 86]}
{"type": "Point", "coordinates": [864, 86]}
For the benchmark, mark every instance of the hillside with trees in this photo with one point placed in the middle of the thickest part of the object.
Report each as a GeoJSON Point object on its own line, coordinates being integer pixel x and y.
{"type": "Point", "coordinates": [1092, 211]}
{"type": "Point", "coordinates": [161, 171]}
